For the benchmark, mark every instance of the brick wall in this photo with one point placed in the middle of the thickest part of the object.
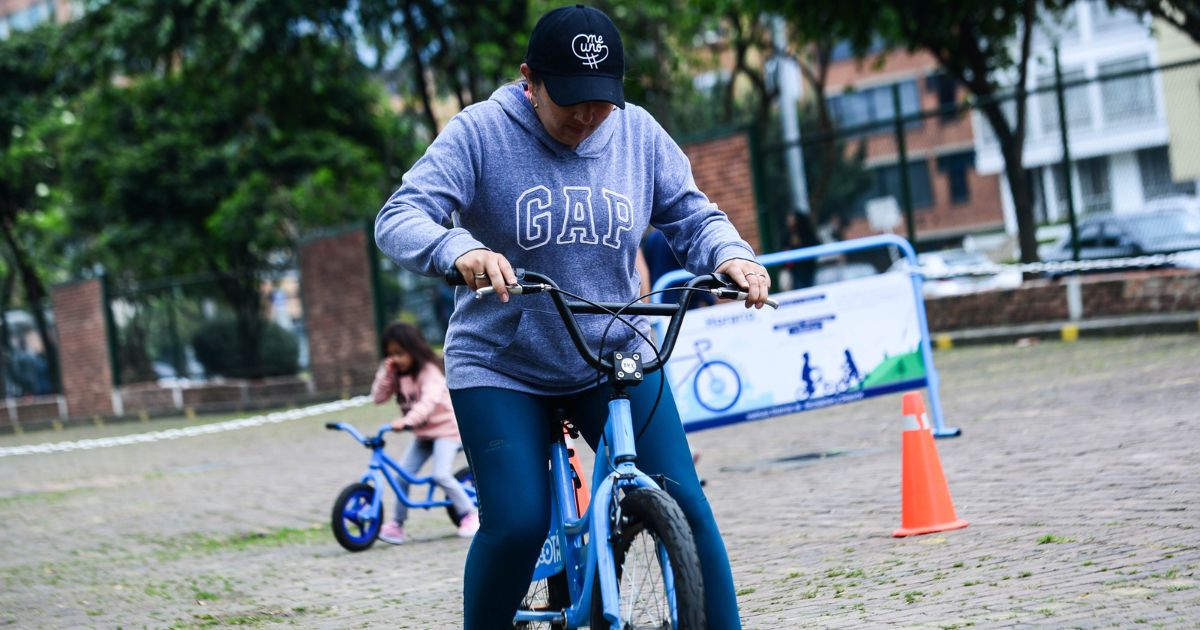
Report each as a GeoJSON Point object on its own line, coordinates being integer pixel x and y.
{"type": "Point", "coordinates": [722, 170]}
{"type": "Point", "coordinates": [339, 312]}
{"type": "Point", "coordinates": [83, 346]}
{"type": "Point", "coordinates": [1108, 295]}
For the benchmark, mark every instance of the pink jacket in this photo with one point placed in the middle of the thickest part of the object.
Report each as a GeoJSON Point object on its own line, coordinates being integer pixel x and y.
{"type": "Point", "coordinates": [424, 400]}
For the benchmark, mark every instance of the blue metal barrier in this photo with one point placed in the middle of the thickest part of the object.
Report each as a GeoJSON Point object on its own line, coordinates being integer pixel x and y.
{"type": "Point", "coordinates": [843, 247]}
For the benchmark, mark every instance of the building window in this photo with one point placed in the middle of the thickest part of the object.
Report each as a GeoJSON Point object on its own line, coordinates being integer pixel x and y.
{"type": "Point", "coordinates": [843, 49]}
{"type": "Point", "coordinates": [1079, 107]}
{"type": "Point", "coordinates": [956, 167]}
{"type": "Point", "coordinates": [874, 105]}
{"type": "Point", "coordinates": [1155, 167]}
{"type": "Point", "coordinates": [1105, 19]}
{"type": "Point", "coordinates": [887, 184]}
{"type": "Point", "coordinates": [1093, 184]}
{"type": "Point", "coordinates": [1130, 98]}
{"type": "Point", "coordinates": [946, 89]}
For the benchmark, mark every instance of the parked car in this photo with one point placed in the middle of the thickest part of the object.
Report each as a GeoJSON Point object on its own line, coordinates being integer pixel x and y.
{"type": "Point", "coordinates": [958, 272]}
{"type": "Point", "coordinates": [1135, 234]}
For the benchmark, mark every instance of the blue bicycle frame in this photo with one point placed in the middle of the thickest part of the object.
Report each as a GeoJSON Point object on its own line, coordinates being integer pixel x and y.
{"type": "Point", "coordinates": [565, 548]}
{"type": "Point", "coordinates": [384, 467]}
{"type": "Point", "coordinates": [614, 470]}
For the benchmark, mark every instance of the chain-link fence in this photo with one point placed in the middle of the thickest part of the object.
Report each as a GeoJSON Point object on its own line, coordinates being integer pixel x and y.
{"type": "Point", "coordinates": [185, 328]}
{"type": "Point", "coordinates": [919, 157]}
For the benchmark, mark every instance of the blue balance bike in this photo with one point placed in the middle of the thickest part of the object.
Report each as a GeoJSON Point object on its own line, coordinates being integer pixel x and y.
{"type": "Point", "coordinates": [358, 511]}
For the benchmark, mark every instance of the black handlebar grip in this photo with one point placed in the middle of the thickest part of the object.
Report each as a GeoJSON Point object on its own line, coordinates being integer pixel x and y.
{"type": "Point", "coordinates": [331, 425]}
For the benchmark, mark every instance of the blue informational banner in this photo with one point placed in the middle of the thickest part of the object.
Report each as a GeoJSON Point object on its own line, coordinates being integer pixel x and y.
{"type": "Point", "coordinates": [823, 346]}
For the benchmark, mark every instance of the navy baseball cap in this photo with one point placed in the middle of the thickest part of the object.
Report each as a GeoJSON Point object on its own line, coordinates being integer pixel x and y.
{"type": "Point", "coordinates": [577, 52]}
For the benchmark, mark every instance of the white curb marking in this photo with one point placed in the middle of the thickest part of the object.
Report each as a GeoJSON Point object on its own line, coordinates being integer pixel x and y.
{"type": "Point", "coordinates": [171, 434]}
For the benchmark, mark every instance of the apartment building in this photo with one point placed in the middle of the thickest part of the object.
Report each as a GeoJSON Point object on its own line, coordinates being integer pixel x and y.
{"type": "Point", "coordinates": [951, 198]}
{"type": "Point", "coordinates": [1120, 137]}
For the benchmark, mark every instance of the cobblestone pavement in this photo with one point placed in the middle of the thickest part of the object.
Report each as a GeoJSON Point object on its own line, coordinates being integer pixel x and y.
{"type": "Point", "coordinates": [1078, 471]}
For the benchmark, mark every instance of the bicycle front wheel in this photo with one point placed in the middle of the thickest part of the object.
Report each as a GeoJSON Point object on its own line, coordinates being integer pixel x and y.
{"type": "Point", "coordinates": [354, 526]}
{"type": "Point", "coordinates": [658, 570]}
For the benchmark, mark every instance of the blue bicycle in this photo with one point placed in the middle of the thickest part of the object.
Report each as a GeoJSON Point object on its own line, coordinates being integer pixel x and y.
{"type": "Point", "coordinates": [358, 510]}
{"type": "Point", "coordinates": [629, 560]}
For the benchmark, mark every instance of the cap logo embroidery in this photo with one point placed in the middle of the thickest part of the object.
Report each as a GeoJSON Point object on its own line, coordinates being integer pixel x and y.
{"type": "Point", "coordinates": [590, 48]}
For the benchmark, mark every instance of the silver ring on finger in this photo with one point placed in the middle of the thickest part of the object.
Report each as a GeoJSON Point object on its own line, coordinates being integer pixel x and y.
{"type": "Point", "coordinates": [481, 275]}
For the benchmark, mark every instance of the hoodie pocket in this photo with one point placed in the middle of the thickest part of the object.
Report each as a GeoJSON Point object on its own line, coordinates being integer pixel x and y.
{"type": "Point", "coordinates": [541, 352]}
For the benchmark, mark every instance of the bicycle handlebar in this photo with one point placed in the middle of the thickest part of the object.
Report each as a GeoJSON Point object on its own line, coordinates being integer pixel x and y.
{"type": "Point", "coordinates": [532, 282]}
{"type": "Point", "coordinates": [364, 440]}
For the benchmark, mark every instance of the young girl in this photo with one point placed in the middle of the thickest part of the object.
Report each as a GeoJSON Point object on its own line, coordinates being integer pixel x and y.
{"type": "Point", "coordinates": [409, 372]}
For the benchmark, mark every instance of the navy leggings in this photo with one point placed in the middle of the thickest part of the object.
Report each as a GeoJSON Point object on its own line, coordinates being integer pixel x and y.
{"type": "Point", "coordinates": [505, 434]}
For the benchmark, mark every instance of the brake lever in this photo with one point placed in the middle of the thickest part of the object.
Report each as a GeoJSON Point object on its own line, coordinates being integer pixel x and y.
{"type": "Point", "coordinates": [734, 294]}
{"type": "Point", "coordinates": [515, 289]}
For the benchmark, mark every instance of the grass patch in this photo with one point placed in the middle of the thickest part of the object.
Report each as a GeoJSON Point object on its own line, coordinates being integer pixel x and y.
{"type": "Point", "coordinates": [36, 497]}
{"type": "Point", "coordinates": [1051, 538]}
{"type": "Point", "coordinates": [913, 596]}
{"type": "Point", "coordinates": [1024, 574]}
{"type": "Point", "coordinates": [746, 591]}
{"type": "Point", "coordinates": [278, 538]}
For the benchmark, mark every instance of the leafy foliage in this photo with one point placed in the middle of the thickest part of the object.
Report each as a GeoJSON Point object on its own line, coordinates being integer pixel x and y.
{"type": "Point", "coordinates": [278, 349]}
{"type": "Point", "coordinates": [225, 131]}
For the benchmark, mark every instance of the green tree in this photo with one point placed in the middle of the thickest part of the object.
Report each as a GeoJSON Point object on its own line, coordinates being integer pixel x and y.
{"type": "Point", "coordinates": [428, 50]}
{"type": "Point", "coordinates": [34, 114]}
{"type": "Point", "coordinates": [225, 132]}
{"type": "Point", "coordinates": [1182, 14]}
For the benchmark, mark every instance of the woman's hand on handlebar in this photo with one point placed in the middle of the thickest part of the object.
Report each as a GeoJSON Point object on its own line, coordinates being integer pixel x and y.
{"type": "Point", "coordinates": [483, 267]}
{"type": "Point", "coordinates": [751, 277]}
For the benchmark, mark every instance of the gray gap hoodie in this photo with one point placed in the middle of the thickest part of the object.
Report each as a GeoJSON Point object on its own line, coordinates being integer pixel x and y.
{"type": "Point", "coordinates": [575, 215]}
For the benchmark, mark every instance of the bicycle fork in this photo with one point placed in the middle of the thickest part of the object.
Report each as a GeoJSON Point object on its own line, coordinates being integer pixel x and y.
{"type": "Point", "coordinates": [621, 474]}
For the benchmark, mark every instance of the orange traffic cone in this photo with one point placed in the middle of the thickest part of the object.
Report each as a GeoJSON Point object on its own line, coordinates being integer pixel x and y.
{"type": "Point", "coordinates": [925, 505]}
{"type": "Point", "coordinates": [582, 495]}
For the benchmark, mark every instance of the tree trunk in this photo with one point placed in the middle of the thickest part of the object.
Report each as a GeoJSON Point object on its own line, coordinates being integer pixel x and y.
{"type": "Point", "coordinates": [414, 43]}
{"type": "Point", "coordinates": [35, 297]}
{"type": "Point", "coordinates": [1013, 149]}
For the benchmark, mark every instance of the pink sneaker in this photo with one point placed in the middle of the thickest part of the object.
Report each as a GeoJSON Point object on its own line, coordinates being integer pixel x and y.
{"type": "Point", "coordinates": [392, 533]}
{"type": "Point", "coordinates": [468, 525]}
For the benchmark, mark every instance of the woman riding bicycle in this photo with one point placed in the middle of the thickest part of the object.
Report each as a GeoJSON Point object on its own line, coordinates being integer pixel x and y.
{"type": "Point", "coordinates": [556, 173]}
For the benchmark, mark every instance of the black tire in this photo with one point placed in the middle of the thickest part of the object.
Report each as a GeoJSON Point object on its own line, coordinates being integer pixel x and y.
{"type": "Point", "coordinates": [548, 594]}
{"type": "Point", "coordinates": [464, 477]}
{"type": "Point", "coordinates": [350, 528]}
{"type": "Point", "coordinates": [650, 517]}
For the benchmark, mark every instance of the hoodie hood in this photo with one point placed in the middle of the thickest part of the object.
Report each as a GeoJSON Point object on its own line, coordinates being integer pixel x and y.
{"type": "Point", "coordinates": [512, 100]}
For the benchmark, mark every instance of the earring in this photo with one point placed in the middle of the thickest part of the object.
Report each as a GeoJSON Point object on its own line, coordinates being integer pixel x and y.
{"type": "Point", "coordinates": [535, 104]}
